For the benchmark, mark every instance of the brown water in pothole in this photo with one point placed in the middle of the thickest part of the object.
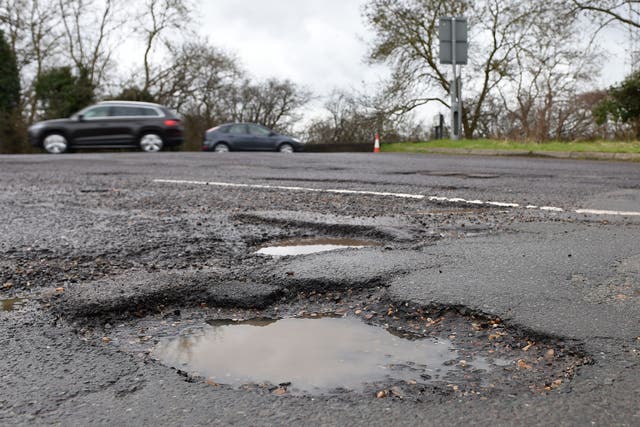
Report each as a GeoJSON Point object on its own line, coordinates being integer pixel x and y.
{"type": "Point", "coordinates": [11, 304]}
{"type": "Point", "coordinates": [315, 355]}
{"type": "Point", "coordinates": [310, 246]}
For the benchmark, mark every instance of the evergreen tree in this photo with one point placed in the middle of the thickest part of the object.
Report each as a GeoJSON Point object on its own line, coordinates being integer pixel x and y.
{"type": "Point", "coordinates": [61, 93]}
{"type": "Point", "coordinates": [10, 118]}
{"type": "Point", "coordinates": [134, 93]}
{"type": "Point", "coordinates": [622, 103]}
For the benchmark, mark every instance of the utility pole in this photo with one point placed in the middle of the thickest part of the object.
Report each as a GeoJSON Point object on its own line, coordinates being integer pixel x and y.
{"type": "Point", "coordinates": [453, 50]}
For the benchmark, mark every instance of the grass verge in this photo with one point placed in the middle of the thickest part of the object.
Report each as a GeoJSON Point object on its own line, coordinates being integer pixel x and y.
{"type": "Point", "coordinates": [488, 144]}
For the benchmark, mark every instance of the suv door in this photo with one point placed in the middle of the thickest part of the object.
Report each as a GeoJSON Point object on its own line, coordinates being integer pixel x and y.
{"type": "Point", "coordinates": [93, 126]}
{"type": "Point", "coordinates": [127, 121]}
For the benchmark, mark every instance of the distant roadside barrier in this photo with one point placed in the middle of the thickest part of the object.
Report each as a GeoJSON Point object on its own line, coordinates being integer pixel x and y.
{"type": "Point", "coordinates": [338, 148]}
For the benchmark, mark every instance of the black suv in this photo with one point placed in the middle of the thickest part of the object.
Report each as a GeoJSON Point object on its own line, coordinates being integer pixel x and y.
{"type": "Point", "coordinates": [111, 124]}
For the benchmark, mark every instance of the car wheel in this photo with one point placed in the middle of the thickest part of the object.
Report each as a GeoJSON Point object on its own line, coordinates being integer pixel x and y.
{"type": "Point", "coordinates": [221, 147]}
{"type": "Point", "coordinates": [55, 143]}
{"type": "Point", "coordinates": [285, 148]}
{"type": "Point", "coordinates": [151, 143]}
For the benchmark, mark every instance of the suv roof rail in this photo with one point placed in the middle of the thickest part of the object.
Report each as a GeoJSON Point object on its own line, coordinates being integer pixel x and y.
{"type": "Point", "coordinates": [113, 101]}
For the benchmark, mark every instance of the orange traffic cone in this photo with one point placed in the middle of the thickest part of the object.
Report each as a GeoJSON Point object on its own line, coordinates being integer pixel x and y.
{"type": "Point", "coordinates": [376, 145]}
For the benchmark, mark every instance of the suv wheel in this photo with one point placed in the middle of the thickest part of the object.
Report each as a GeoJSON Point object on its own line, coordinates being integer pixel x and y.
{"type": "Point", "coordinates": [55, 143]}
{"type": "Point", "coordinates": [151, 143]}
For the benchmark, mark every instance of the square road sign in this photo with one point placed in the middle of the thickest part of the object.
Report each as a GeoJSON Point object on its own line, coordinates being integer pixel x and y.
{"type": "Point", "coordinates": [446, 40]}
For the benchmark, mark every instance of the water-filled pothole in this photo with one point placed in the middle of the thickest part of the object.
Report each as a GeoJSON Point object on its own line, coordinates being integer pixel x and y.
{"type": "Point", "coordinates": [310, 246]}
{"type": "Point", "coordinates": [316, 356]}
{"type": "Point", "coordinates": [11, 304]}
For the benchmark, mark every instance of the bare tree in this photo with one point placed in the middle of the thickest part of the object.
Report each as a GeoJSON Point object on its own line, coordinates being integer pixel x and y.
{"type": "Point", "coordinates": [195, 78]}
{"type": "Point", "coordinates": [623, 14]}
{"type": "Point", "coordinates": [157, 20]}
{"type": "Point", "coordinates": [89, 27]}
{"type": "Point", "coordinates": [34, 29]}
{"type": "Point", "coordinates": [347, 121]}
{"type": "Point", "coordinates": [407, 39]}
{"type": "Point", "coordinates": [196, 82]}
{"type": "Point", "coordinates": [626, 12]}
{"type": "Point", "coordinates": [539, 94]}
{"type": "Point", "coordinates": [272, 103]}
{"type": "Point", "coordinates": [351, 119]}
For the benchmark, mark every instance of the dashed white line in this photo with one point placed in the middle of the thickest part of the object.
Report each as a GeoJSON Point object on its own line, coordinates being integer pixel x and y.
{"type": "Point", "coordinates": [503, 205]}
{"type": "Point", "coordinates": [376, 193]}
{"type": "Point", "coordinates": [280, 187]}
{"type": "Point", "coordinates": [600, 212]}
{"type": "Point", "coordinates": [398, 195]}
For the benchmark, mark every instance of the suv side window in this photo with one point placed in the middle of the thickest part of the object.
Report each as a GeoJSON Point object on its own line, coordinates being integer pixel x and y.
{"type": "Point", "coordinates": [126, 111]}
{"type": "Point", "coordinates": [238, 130]}
{"type": "Point", "coordinates": [97, 112]}
{"type": "Point", "coordinates": [259, 130]}
{"type": "Point", "coordinates": [150, 112]}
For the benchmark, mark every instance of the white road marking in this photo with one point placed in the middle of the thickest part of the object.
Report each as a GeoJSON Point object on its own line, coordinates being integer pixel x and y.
{"type": "Point", "coordinates": [397, 195]}
{"type": "Point", "coordinates": [280, 187]}
{"type": "Point", "coordinates": [599, 212]}
{"type": "Point", "coordinates": [503, 205]}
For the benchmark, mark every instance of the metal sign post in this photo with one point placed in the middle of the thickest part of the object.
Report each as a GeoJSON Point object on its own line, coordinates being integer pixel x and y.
{"type": "Point", "coordinates": [455, 112]}
{"type": "Point", "coordinates": [453, 50]}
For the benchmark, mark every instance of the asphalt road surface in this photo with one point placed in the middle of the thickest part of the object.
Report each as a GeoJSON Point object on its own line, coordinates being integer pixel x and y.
{"type": "Point", "coordinates": [103, 255]}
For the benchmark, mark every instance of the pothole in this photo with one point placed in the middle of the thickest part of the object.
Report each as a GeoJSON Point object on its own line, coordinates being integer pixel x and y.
{"type": "Point", "coordinates": [360, 343]}
{"type": "Point", "coordinates": [11, 304]}
{"type": "Point", "coordinates": [313, 355]}
{"type": "Point", "coordinates": [309, 246]}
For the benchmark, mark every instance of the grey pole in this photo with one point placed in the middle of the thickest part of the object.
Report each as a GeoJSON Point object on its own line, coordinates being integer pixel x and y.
{"type": "Point", "coordinates": [459, 95]}
{"type": "Point", "coordinates": [454, 84]}
{"type": "Point", "coordinates": [449, 54]}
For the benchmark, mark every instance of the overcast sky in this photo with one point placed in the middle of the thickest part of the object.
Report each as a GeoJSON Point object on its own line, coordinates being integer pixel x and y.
{"type": "Point", "coordinates": [317, 43]}
{"type": "Point", "coordinates": [322, 44]}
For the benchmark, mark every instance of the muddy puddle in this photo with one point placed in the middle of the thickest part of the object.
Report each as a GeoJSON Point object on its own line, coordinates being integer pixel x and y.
{"type": "Point", "coordinates": [329, 344]}
{"type": "Point", "coordinates": [310, 246]}
{"type": "Point", "coordinates": [11, 304]}
{"type": "Point", "coordinates": [316, 356]}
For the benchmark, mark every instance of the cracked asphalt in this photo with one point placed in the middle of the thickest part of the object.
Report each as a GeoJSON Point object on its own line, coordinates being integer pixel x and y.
{"type": "Point", "coordinates": [105, 260]}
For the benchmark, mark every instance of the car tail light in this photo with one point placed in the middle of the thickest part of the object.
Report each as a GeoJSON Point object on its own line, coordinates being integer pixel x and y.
{"type": "Point", "coordinates": [171, 122]}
